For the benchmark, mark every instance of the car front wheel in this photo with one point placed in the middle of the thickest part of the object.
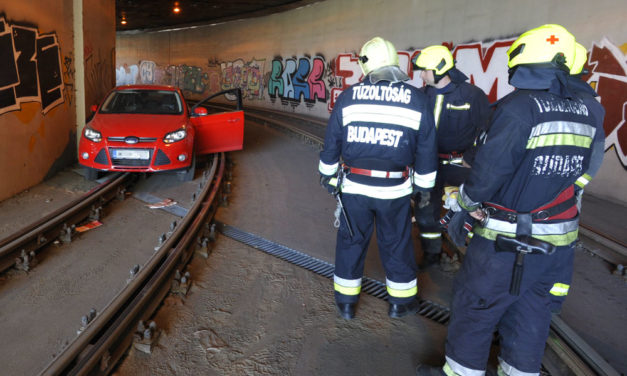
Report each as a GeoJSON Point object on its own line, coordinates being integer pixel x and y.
{"type": "Point", "coordinates": [188, 175]}
{"type": "Point", "coordinates": [90, 173]}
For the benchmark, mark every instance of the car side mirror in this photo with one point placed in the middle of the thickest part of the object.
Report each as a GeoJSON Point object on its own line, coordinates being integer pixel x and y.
{"type": "Point", "coordinates": [94, 108]}
{"type": "Point", "coordinates": [200, 111]}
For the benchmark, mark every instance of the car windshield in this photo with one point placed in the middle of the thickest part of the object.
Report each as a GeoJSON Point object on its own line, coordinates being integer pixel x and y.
{"type": "Point", "coordinates": [165, 102]}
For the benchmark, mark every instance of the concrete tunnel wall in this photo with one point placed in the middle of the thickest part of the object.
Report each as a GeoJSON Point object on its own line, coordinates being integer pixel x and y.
{"type": "Point", "coordinates": [38, 76]}
{"type": "Point", "coordinates": [300, 60]}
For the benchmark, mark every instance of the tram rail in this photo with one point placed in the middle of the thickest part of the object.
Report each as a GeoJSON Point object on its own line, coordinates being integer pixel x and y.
{"type": "Point", "coordinates": [104, 340]}
{"type": "Point", "coordinates": [21, 247]}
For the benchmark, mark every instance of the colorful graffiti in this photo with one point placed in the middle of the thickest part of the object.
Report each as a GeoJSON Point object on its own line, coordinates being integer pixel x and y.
{"type": "Point", "coordinates": [246, 75]}
{"type": "Point", "coordinates": [486, 66]}
{"type": "Point", "coordinates": [296, 82]}
{"type": "Point", "coordinates": [484, 63]}
{"type": "Point", "coordinates": [608, 75]}
{"type": "Point", "coordinates": [30, 68]}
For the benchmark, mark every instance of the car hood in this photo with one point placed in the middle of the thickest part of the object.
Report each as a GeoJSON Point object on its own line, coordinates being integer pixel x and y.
{"type": "Point", "coordinates": [140, 125]}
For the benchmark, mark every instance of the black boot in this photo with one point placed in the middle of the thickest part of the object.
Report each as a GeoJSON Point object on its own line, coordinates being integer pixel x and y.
{"type": "Point", "coordinates": [347, 310]}
{"type": "Point", "coordinates": [429, 259]}
{"type": "Point", "coordinates": [400, 310]}
{"type": "Point", "coordinates": [425, 370]}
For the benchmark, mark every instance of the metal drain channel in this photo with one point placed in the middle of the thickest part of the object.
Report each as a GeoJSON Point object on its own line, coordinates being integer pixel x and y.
{"type": "Point", "coordinates": [427, 308]}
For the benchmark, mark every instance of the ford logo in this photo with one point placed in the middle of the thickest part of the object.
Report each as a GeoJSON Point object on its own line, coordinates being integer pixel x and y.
{"type": "Point", "coordinates": [131, 140]}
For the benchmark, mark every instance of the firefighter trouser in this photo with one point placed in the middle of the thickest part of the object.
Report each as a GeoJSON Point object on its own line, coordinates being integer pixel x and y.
{"type": "Point", "coordinates": [428, 217]}
{"type": "Point", "coordinates": [393, 221]}
{"type": "Point", "coordinates": [482, 304]}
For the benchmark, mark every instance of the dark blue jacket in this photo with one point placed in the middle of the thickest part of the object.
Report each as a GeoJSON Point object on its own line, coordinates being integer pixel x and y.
{"type": "Point", "coordinates": [383, 126]}
{"type": "Point", "coordinates": [539, 143]}
{"type": "Point", "coordinates": [460, 114]}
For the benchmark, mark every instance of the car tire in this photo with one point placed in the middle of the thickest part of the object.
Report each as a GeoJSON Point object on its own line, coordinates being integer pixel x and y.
{"type": "Point", "coordinates": [91, 174]}
{"type": "Point", "coordinates": [188, 175]}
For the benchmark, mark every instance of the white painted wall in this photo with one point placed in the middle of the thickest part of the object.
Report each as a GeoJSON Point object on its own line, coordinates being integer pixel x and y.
{"type": "Point", "coordinates": [333, 28]}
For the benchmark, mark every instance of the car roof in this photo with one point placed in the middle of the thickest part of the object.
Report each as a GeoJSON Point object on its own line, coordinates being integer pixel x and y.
{"type": "Point", "coordinates": [146, 87]}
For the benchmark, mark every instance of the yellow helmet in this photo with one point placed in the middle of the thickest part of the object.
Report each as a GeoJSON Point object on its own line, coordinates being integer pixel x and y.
{"type": "Point", "coordinates": [377, 53]}
{"type": "Point", "coordinates": [581, 56]}
{"type": "Point", "coordinates": [436, 58]}
{"type": "Point", "coordinates": [545, 44]}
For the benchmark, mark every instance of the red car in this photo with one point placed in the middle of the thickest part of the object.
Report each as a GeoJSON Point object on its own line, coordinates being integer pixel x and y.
{"type": "Point", "coordinates": [145, 128]}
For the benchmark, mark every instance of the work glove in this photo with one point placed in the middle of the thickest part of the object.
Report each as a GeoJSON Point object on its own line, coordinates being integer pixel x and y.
{"type": "Point", "coordinates": [325, 182]}
{"type": "Point", "coordinates": [450, 199]}
{"type": "Point", "coordinates": [459, 226]}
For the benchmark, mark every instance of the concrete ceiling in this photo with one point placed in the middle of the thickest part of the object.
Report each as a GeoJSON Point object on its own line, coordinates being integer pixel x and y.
{"type": "Point", "coordinates": [158, 14]}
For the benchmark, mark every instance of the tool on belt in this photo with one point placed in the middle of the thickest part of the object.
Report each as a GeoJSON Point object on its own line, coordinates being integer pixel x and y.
{"type": "Point", "coordinates": [522, 244]}
{"type": "Point", "coordinates": [337, 193]}
{"type": "Point", "coordinates": [563, 206]}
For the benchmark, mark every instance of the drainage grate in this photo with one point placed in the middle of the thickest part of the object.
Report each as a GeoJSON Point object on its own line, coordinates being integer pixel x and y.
{"type": "Point", "coordinates": [427, 308]}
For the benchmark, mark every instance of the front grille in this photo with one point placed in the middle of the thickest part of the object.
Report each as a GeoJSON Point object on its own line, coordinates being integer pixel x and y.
{"type": "Point", "coordinates": [161, 159]}
{"type": "Point", "coordinates": [132, 162]}
{"type": "Point", "coordinates": [141, 139]}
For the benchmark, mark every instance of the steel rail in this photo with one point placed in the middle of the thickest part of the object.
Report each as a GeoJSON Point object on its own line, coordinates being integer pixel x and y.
{"type": "Point", "coordinates": [97, 349]}
{"type": "Point", "coordinates": [35, 236]}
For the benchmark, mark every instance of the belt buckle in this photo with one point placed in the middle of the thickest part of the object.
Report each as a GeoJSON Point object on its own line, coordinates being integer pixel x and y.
{"type": "Point", "coordinates": [490, 210]}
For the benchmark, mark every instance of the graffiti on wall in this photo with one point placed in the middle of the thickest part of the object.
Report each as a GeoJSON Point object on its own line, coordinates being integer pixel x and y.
{"type": "Point", "coordinates": [30, 68]}
{"type": "Point", "coordinates": [310, 80]}
{"type": "Point", "coordinates": [126, 75]}
{"type": "Point", "coordinates": [298, 81]}
{"type": "Point", "coordinates": [484, 63]}
{"type": "Point", "coordinates": [607, 65]}
{"type": "Point", "coordinates": [246, 75]}
{"type": "Point", "coordinates": [68, 77]}
{"type": "Point", "coordinates": [99, 73]}
{"type": "Point", "coordinates": [486, 66]}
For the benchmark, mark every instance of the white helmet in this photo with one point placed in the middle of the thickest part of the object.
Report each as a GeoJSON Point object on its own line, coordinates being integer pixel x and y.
{"type": "Point", "coordinates": [379, 53]}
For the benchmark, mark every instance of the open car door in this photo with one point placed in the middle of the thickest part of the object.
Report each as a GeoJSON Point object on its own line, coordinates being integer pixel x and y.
{"type": "Point", "coordinates": [223, 131]}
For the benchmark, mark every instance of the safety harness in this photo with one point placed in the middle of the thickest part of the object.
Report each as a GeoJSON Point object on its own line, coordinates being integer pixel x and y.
{"type": "Point", "coordinates": [451, 158]}
{"type": "Point", "coordinates": [378, 173]}
{"type": "Point", "coordinates": [564, 206]}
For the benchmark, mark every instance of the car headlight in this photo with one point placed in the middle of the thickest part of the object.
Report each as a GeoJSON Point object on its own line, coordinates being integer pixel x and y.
{"type": "Point", "coordinates": [175, 136]}
{"type": "Point", "coordinates": [92, 135]}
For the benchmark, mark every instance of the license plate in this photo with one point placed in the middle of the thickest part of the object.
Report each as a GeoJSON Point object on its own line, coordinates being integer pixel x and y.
{"type": "Point", "coordinates": [130, 154]}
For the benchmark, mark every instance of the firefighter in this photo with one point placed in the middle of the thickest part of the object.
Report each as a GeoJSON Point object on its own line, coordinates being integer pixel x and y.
{"type": "Point", "coordinates": [379, 147]}
{"type": "Point", "coordinates": [521, 192]}
{"type": "Point", "coordinates": [559, 291]}
{"type": "Point", "coordinates": [460, 112]}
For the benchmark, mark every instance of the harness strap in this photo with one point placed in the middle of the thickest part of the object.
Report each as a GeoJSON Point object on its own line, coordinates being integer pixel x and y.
{"type": "Point", "coordinates": [451, 155]}
{"type": "Point", "coordinates": [451, 158]}
{"type": "Point", "coordinates": [564, 206]}
{"type": "Point", "coordinates": [378, 173]}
